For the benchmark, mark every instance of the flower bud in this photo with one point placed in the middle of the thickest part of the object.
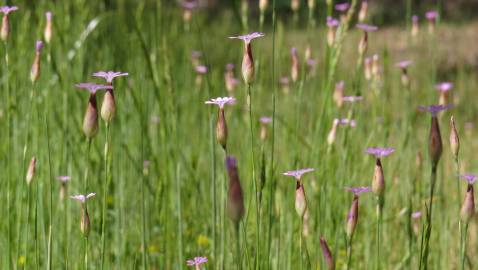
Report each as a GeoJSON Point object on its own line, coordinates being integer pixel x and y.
{"type": "Point", "coordinates": [311, 4]}
{"type": "Point", "coordinates": [368, 68]}
{"type": "Point", "coordinates": [405, 79]}
{"type": "Point", "coordinates": [352, 218]}
{"type": "Point", "coordinates": [300, 201]}
{"type": "Point", "coordinates": [295, 5]}
{"type": "Point", "coordinates": [332, 132]}
{"type": "Point", "coordinates": [308, 52]}
{"type": "Point", "coordinates": [48, 27]}
{"type": "Point", "coordinates": [294, 70]}
{"type": "Point", "coordinates": [5, 28]}
{"type": "Point", "coordinates": [235, 203]}
{"type": "Point", "coordinates": [328, 258]}
{"type": "Point", "coordinates": [31, 170]}
{"type": "Point", "coordinates": [248, 65]}
{"type": "Point", "coordinates": [454, 139]}
{"type": "Point", "coordinates": [221, 129]}
{"type": "Point", "coordinates": [263, 132]}
{"type": "Point", "coordinates": [263, 5]}
{"type": "Point", "coordinates": [363, 44]}
{"type": "Point", "coordinates": [415, 26]}
{"type": "Point", "coordinates": [363, 11]}
{"type": "Point", "coordinates": [378, 182]}
{"type": "Point", "coordinates": [108, 108]}
{"type": "Point", "coordinates": [90, 121]}
{"type": "Point", "coordinates": [331, 36]}
{"type": "Point", "coordinates": [85, 221]}
{"type": "Point", "coordinates": [187, 15]}
{"type": "Point", "coordinates": [375, 65]}
{"type": "Point", "coordinates": [63, 191]}
{"type": "Point", "coordinates": [435, 146]}
{"type": "Point", "coordinates": [468, 207]}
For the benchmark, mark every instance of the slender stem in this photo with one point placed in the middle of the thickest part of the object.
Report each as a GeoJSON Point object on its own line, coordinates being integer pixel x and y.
{"type": "Point", "coordinates": [238, 246]}
{"type": "Point", "coordinates": [457, 171]}
{"type": "Point", "coordinates": [10, 263]}
{"type": "Point", "coordinates": [379, 232]}
{"type": "Point", "coordinates": [349, 253]}
{"type": "Point", "coordinates": [105, 191]}
{"type": "Point", "coordinates": [427, 236]}
{"type": "Point", "coordinates": [300, 242]}
{"type": "Point", "coordinates": [50, 234]}
{"type": "Point", "coordinates": [86, 253]}
{"type": "Point", "coordinates": [463, 238]}
{"type": "Point", "coordinates": [85, 183]}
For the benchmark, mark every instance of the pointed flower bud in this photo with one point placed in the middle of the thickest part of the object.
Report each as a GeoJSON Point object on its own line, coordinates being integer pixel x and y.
{"type": "Point", "coordinates": [235, 202]}
{"type": "Point", "coordinates": [332, 25]}
{"type": "Point", "coordinates": [247, 60]}
{"type": "Point", "coordinates": [221, 125]}
{"type": "Point", "coordinates": [328, 258]}
{"type": "Point", "coordinates": [333, 132]}
{"type": "Point", "coordinates": [300, 199]}
{"type": "Point", "coordinates": [31, 170]}
{"type": "Point", "coordinates": [468, 207]}
{"type": "Point", "coordinates": [108, 107]}
{"type": "Point", "coordinates": [263, 5]}
{"type": "Point", "coordinates": [294, 70]}
{"type": "Point", "coordinates": [415, 26]}
{"type": "Point", "coordinates": [352, 217]}
{"type": "Point", "coordinates": [85, 218]}
{"type": "Point", "coordinates": [363, 11]}
{"type": "Point", "coordinates": [48, 33]}
{"type": "Point", "coordinates": [63, 189]}
{"type": "Point", "coordinates": [339, 93]}
{"type": "Point", "coordinates": [5, 30]}
{"type": "Point", "coordinates": [265, 121]}
{"type": "Point", "coordinates": [378, 182]}
{"type": "Point", "coordinates": [90, 120]}
{"type": "Point", "coordinates": [454, 138]}
{"type": "Point", "coordinates": [295, 5]}
{"type": "Point", "coordinates": [35, 71]}
{"type": "Point", "coordinates": [435, 145]}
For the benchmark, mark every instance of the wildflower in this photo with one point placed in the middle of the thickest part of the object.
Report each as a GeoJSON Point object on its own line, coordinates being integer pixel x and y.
{"type": "Point", "coordinates": [35, 71]}
{"type": "Point", "coordinates": [188, 7]}
{"type": "Point", "coordinates": [443, 88]}
{"type": "Point", "coordinates": [333, 132]}
{"type": "Point", "coordinates": [378, 183]}
{"type": "Point", "coordinates": [454, 138]}
{"type": "Point", "coordinates": [263, 5]}
{"type": "Point", "coordinates": [295, 5]}
{"type": "Point", "coordinates": [196, 262]}
{"type": "Point", "coordinates": [347, 122]}
{"type": "Point", "coordinates": [31, 170]}
{"type": "Point", "coordinates": [329, 259]}
{"type": "Point", "coordinates": [363, 11]}
{"type": "Point", "coordinates": [48, 27]}
{"type": "Point", "coordinates": [332, 25]}
{"type": "Point", "coordinates": [264, 122]}
{"type": "Point", "coordinates": [229, 79]}
{"type": "Point", "coordinates": [416, 215]}
{"type": "Point", "coordinates": [342, 7]}
{"type": "Point", "coordinates": [338, 95]}
{"type": "Point", "coordinates": [64, 179]}
{"type": "Point", "coordinates": [294, 70]}
{"type": "Point", "coordinates": [90, 121]}
{"type": "Point", "coordinates": [352, 217]}
{"type": "Point", "coordinates": [312, 64]}
{"type": "Point", "coordinates": [221, 125]}
{"type": "Point", "coordinates": [468, 207]}
{"type": "Point", "coordinates": [435, 146]}
{"type": "Point", "coordinates": [352, 99]}
{"type": "Point", "coordinates": [248, 60]}
{"type": "Point", "coordinates": [415, 26]}
{"type": "Point", "coordinates": [285, 82]}
{"type": "Point", "coordinates": [5, 23]}
{"type": "Point", "coordinates": [300, 199]}
{"type": "Point", "coordinates": [367, 62]}
{"type": "Point", "coordinates": [376, 66]}
{"type": "Point", "coordinates": [363, 44]}
{"type": "Point", "coordinates": [403, 65]}
{"type": "Point", "coordinates": [200, 71]}
{"type": "Point", "coordinates": [85, 218]}
{"type": "Point", "coordinates": [195, 58]}
{"type": "Point", "coordinates": [431, 16]}
{"type": "Point", "coordinates": [235, 204]}
{"type": "Point", "coordinates": [108, 107]}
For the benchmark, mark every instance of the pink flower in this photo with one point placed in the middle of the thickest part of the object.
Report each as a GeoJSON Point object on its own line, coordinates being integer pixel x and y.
{"type": "Point", "coordinates": [342, 7]}
{"type": "Point", "coordinates": [7, 9]}
{"type": "Point", "coordinates": [470, 178]}
{"type": "Point", "coordinates": [196, 261]}
{"type": "Point", "coordinates": [358, 190]}
{"type": "Point", "coordinates": [434, 109]}
{"type": "Point", "coordinates": [298, 173]}
{"type": "Point", "coordinates": [352, 99]}
{"type": "Point", "coordinates": [249, 37]}
{"type": "Point", "coordinates": [201, 69]}
{"type": "Point", "coordinates": [63, 178]}
{"type": "Point", "coordinates": [403, 64]}
{"type": "Point", "coordinates": [83, 198]}
{"type": "Point", "coordinates": [265, 120]}
{"type": "Point", "coordinates": [331, 22]}
{"type": "Point", "coordinates": [39, 46]}
{"type": "Point", "coordinates": [416, 215]}
{"type": "Point", "coordinates": [431, 15]}
{"type": "Point", "coordinates": [93, 87]}
{"type": "Point", "coordinates": [367, 27]}
{"type": "Point", "coordinates": [380, 152]}
{"type": "Point", "coordinates": [444, 86]}
{"type": "Point", "coordinates": [221, 101]}
{"type": "Point", "coordinates": [109, 75]}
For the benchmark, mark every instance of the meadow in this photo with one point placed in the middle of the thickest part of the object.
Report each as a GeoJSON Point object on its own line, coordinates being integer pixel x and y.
{"type": "Point", "coordinates": [240, 138]}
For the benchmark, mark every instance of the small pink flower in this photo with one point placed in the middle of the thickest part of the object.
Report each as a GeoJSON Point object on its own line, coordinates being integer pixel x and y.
{"type": "Point", "coordinates": [367, 27]}
{"type": "Point", "coordinates": [249, 37]}
{"type": "Point", "coordinates": [265, 120]}
{"type": "Point", "coordinates": [39, 46]}
{"type": "Point", "coordinates": [284, 80]}
{"type": "Point", "coordinates": [93, 87]}
{"type": "Point", "coordinates": [196, 261]}
{"type": "Point", "coordinates": [297, 174]}
{"type": "Point", "coordinates": [416, 215]}
{"type": "Point", "coordinates": [352, 99]}
{"type": "Point", "coordinates": [470, 178]}
{"type": "Point", "coordinates": [83, 198]}
{"type": "Point", "coordinates": [63, 178]}
{"type": "Point", "coordinates": [444, 86]}
{"type": "Point", "coordinates": [189, 5]}
{"type": "Point", "coordinates": [358, 190]}
{"type": "Point", "coordinates": [201, 69]}
{"type": "Point", "coordinates": [7, 9]}
{"type": "Point", "coordinates": [342, 7]}
{"type": "Point", "coordinates": [346, 122]}
{"type": "Point", "coordinates": [403, 64]}
{"type": "Point", "coordinates": [380, 152]}
{"type": "Point", "coordinates": [434, 109]}
{"type": "Point", "coordinates": [221, 101]}
{"type": "Point", "coordinates": [331, 22]}
{"type": "Point", "coordinates": [431, 15]}
{"type": "Point", "coordinates": [109, 75]}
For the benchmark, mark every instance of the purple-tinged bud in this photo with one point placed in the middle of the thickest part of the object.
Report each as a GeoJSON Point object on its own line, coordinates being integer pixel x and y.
{"type": "Point", "coordinates": [90, 121]}
{"type": "Point", "coordinates": [300, 200]}
{"type": "Point", "coordinates": [235, 203]}
{"type": "Point", "coordinates": [367, 68]}
{"type": "Point", "coordinates": [31, 170]}
{"type": "Point", "coordinates": [85, 221]}
{"type": "Point", "coordinates": [5, 28]}
{"type": "Point", "coordinates": [415, 26]}
{"type": "Point", "coordinates": [363, 11]}
{"type": "Point", "coordinates": [294, 70]}
{"type": "Point", "coordinates": [375, 65]}
{"type": "Point", "coordinates": [333, 132]}
{"type": "Point", "coordinates": [454, 138]}
{"type": "Point", "coordinates": [48, 33]}
{"type": "Point", "coordinates": [328, 258]}
{"type": "Point", "coordinates": [363, 44]}
{"type": "Point", "coordinates": [468, 207]}
{"type": "Point", "coordinates": [108, 107]}
{"type": "Point", "coordinates": [378, 182]}
{"type": "Point", "coordinates": [352, 218]}
{"type": "Point", "coordinates": [435, 146]}
{"type": "Point", "coordinates": [339, 94]}
{"type": "Point", "coordinates": [221, 129]}
{"type": "Point", "coordinates": [35, 71]}
{"type": "Point", "coordinates": [248, 65]}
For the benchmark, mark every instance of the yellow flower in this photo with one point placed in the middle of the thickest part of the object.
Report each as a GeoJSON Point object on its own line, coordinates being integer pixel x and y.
{"type": "Point", "coordinates": [21, 260]}
{"type": "Point", "coordinates": [202, 241]}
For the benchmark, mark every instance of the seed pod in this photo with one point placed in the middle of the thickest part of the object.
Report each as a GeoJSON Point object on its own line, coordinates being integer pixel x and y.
{"type": "Point", "coordinates": [5, 28]}
{"type": "Point", "coordinates": [363, 11]}
{"type": "Point", "coordinates": [235, 203]}
{"type": "Point", "coordinates": [352, 218]}
{"type": "Point", "coordinates": [85, 221]}
{"type": "Point", "coordinates": [248, 65]}
{"type": "Point", "coordinates": [108, 107]}
{"type": "Point", "coordinates": [435, 146]}
{"type": "Point", "coordinates": [363, 44]}
{"type": "Point", "coordinates": [294, 70]}
{"type": "Point", "coordinates": [221, 129]}
{"type": "Point", "coordinates": [48, 33]}
{"type": "Point", "coordinates": [90, 121]}
{"type": "Point", "coordinates": [454, 139]}
{"type": "Point", "coordinates": [300, 200]}
{"type": "Point", "coordinates": [31, 170]}
{"type": "Point", "coordinates": [329, 259]}
{"type": "Point", "coordinates": [378, 182]}
{"type": "Point", "coordinates": [468, 207]}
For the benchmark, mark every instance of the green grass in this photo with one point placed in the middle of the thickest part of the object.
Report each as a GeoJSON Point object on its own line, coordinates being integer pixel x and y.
{"type": "Point", "coordinates": [159, 216]}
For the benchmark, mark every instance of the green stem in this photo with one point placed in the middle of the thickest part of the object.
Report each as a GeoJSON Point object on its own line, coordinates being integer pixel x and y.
{"type": "Point", "coordinates": [349, 253]}
{"type": "Point", "coordinates": [10, 263]}
{"type": "Point", "coordinates": [457, 171]}
{"type": "Point", "coordinates": [463, 238]}
{"type": "Point", "coordinates": [379, 232]}
{"type": "Point", "coordinates": [105, 189]}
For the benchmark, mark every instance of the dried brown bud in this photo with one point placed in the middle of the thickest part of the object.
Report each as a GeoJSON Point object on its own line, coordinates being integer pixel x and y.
{"type": "Point", "coordinates": [328, 258]}
{"type": "Point", "coordinates": [108, 108]}
{"type": "Point", "coordinates": [454, 138]}
{"type": "Point", "coordinates": [235, 203]}
{"type": "Point", "coordinates": [31, 170]}
{"type": "Point", "coordinates": [248, 65]}
{"type": "Point", "coordinates": [435, 146]}
{"type": "Point", "coordinates": [468, 207]}
{"type": "Point", "coordinates": [378, 182]}
{"type": "Point", "coordinates": [352, 218]}
{"type": "Point", "coordinates": [221, 129]}
{"type": "Point", "coordinates": [90, 121]}
{"type": "Point", "coordinates": [300, 200]}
